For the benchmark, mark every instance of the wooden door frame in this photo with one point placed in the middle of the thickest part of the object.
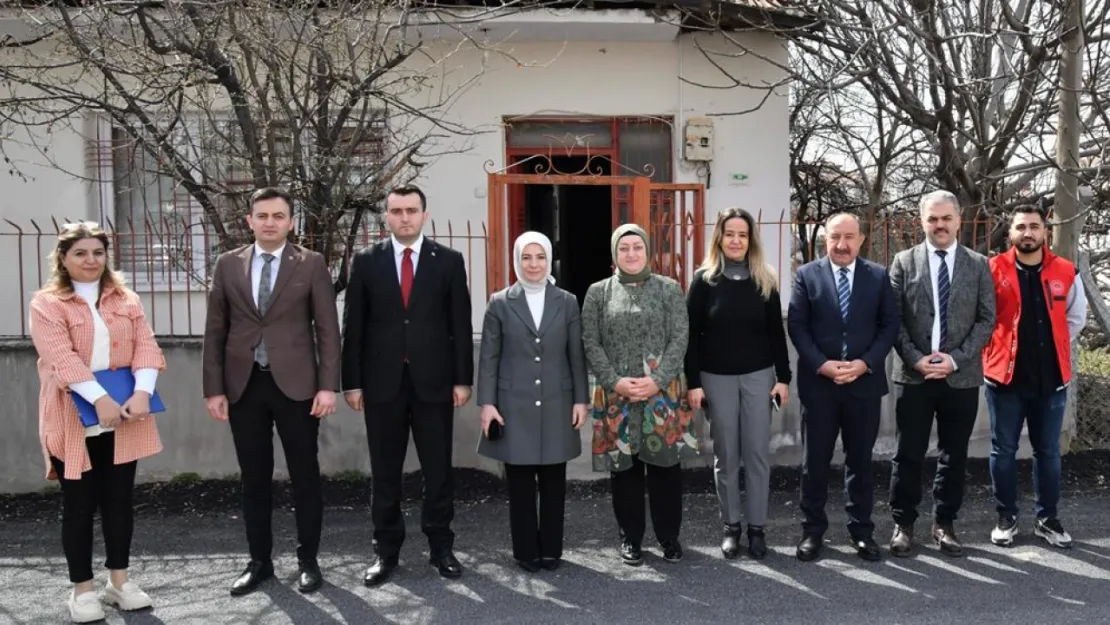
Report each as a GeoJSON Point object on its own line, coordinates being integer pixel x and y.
{"type": "Point", "coordinates": [497, 235]}
{"type": "Point", "coordinates": [515, 157]}
{"type": "Point", "coordinates": [506, 194]}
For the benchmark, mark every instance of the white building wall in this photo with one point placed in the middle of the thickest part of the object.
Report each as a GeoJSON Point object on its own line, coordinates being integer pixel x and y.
{"type": "Point", "coordinates": [632, 78]}
{"type": "Point", "coordinates": [603, 78]}
{"type": "Point", "coordinates": [33, 191]}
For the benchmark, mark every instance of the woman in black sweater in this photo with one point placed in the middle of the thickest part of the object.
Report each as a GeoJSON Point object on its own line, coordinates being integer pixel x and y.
{"type": "Point", "coordinates": [736, 365]}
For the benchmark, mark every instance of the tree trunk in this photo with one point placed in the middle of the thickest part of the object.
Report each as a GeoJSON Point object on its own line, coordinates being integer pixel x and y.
{"type": "Point", "coordinates": [1065, 239]}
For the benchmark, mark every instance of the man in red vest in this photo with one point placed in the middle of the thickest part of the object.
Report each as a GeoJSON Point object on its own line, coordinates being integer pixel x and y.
{"type": "Point", "coordinates": [1041, 309]}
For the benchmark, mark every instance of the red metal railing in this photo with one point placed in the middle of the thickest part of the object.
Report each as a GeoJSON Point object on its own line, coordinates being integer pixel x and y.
{"type": "Point", "coordinates": [167, 264]}
{"type": "Point", "coordinates": [678, 244]}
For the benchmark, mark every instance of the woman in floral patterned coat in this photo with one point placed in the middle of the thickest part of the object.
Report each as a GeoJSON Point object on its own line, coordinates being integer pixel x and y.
{"type": "Point", "coordinates": [635, 330]}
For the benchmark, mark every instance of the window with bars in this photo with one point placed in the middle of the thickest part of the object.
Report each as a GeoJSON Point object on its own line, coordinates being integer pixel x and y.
{"type": "Point", "coordinates": [157, 225]}
{"type": "Point", "coordinates": [160, 230]}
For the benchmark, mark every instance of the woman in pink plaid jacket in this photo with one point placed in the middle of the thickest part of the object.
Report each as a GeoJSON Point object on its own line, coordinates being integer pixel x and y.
{"type": "Point", "coordinates": [85, 320]}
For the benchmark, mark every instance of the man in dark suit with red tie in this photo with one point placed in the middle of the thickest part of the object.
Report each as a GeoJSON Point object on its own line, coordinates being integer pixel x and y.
{"type": "Point", "coordinates": [408, 362]}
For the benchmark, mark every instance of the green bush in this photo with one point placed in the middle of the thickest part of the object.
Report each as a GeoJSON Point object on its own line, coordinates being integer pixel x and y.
{"type": "Point", "coordinates": [1092, 410]}
{"type": "Point", "coordinates": [1094, 361]}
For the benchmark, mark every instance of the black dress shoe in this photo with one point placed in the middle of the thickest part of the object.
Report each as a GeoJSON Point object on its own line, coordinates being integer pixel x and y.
{"type": "Point", "coordinates": [532, 566]}
{"type": "Point", "coordinates": [550, 564]}
{"type": "Point", "coordinates": [631, 553]}
{"type": "Point", "coordinates": [447, 565]}
{"type": "Point", "coordinates": [757, 542]}
{"type": "Point", "coordinates": [257, 571]}
{"type": "Point", "coordinates": [310, 578]}
{"type": "Point", "coordinates": [672, 550]}
{"type": "Point", "coordinates": [901, 544]}
{"type": "Point", "coordinates": [945, 538]}
{"type": "Point", "coordinates": [867, 549]}
{"type": "Point", "coordinates": [730, 543]}
{"type": "Point", "coordinates": [379, 571]}
{"type": "Point", "coordinates": [809, 548]}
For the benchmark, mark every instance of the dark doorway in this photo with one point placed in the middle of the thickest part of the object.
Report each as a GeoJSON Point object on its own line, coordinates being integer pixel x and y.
{"type": "Point", "coordinates": [578, 220]}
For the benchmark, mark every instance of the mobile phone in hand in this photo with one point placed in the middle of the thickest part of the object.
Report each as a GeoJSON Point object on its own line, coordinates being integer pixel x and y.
{"type": "Point", "coordinates": [494, 431]}
{"type": "Point", "coordinates": [776, 402]}
{"type": "Point", "coordinates": [936, 360]}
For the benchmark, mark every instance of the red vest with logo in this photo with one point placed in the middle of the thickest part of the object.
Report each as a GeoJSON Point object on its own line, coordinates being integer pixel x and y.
{"type": "Point", "coordinates": [1057, 276]}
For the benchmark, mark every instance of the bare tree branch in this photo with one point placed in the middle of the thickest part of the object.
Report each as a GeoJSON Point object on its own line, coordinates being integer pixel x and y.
{"type": "Point", "coordinates": [198, 103]}
{"type": "Point", "coordinates": [897, 97]}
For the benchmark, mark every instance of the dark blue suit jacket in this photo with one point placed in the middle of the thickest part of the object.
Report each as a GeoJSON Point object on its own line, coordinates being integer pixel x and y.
{"type": "Point", "coordinates": [817, 330]}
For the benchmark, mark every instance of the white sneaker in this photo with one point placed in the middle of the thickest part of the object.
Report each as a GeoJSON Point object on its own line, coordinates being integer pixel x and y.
{"type": "Point", "coordinates": [129, 597]}
{"type": "Point", "coordinates": [1003, 533]}
{"type": "Point", "coordinates": [85, 608]}
{"type": "Point", "coordinates": [1052, 532]}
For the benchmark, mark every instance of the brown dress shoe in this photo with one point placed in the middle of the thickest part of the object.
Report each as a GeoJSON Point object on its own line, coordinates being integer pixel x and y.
{"type": "Point", "coordinates": [945, 538]}
{"type": "Point", "coordinates": [901, 544]}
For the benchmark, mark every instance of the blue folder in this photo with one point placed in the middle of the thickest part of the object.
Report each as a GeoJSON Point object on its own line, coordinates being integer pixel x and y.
{"type": "Point", "coordinates": [120, 386]}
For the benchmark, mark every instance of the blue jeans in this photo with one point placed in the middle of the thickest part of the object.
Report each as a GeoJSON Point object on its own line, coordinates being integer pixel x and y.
{"type": "Point", "coordinates": [1045, 415]}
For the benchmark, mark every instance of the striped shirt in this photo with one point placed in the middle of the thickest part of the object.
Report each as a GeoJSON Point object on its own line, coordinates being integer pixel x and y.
{"type": "Point", "coordinates": [63, 331]}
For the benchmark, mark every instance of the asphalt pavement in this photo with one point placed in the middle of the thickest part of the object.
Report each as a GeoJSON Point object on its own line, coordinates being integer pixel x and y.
{"type": "Point", "coordinates": [186, 563]}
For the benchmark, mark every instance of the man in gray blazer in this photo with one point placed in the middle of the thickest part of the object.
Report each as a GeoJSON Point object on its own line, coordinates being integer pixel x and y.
{"type": "Point", "coordinates": [945, 299]}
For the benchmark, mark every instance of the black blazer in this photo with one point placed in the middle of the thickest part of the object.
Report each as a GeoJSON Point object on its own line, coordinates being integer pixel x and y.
{"type": "Point", "coordinates": [818, 331]}
{"type": "Point", "coordinates": [435, 333]}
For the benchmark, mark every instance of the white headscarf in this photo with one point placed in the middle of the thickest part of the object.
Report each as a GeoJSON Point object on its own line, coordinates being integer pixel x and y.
{"type": "Point", "coordinates": [518, 249]}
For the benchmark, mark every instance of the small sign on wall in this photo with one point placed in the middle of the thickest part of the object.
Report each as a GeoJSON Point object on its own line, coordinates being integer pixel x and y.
{"type": "Point", "coordinates": [737, 180]}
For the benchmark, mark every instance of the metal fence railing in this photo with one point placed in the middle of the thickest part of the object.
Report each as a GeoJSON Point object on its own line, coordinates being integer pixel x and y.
{"type": "Point", "coordinates": [168, 265]}
{"type": "Point", "coordinates": [168, 262]}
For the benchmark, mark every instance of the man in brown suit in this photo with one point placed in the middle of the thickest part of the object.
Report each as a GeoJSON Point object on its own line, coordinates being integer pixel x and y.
{"type": "Point", "coordinates": [271, 356]}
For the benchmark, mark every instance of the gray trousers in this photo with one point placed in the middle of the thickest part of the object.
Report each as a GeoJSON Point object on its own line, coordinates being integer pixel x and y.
{"type": "Point", "coordinates": [739, 414]}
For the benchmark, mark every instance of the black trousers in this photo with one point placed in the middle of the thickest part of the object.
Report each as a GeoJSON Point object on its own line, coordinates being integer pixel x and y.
{"type": "Point", "coordinates": [107, 487]}
{"type": "Point", "coordinates": [387, 433]}
{"type": "Point", "coordinates": [536, 536]}
{"type": "Point", "coordinates": [955, 410]}
{"type": "Point", "coordinates": [252, 419]}
{"type": "Point", "coordinates": [856, 421]}
{"type": "Point", "coordinates": [664, 489]}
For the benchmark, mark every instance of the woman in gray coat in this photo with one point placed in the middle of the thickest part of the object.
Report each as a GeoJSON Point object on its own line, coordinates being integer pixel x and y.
{"type": "Point", "coordinates": [532, 381]}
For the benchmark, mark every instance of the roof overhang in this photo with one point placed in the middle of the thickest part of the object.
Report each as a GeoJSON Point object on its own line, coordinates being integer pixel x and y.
{"type": "Point", "coordinates": [572, 20]}
{"type": "Point", "coordinates": [779, 16]}
{"type": "Point", "coordinates": [555, 25]}
{"type": "Point", "coordinates": [607, 20]}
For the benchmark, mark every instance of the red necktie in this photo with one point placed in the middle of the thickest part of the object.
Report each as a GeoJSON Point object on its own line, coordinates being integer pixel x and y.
{"type": "Point", "coordinates": [406, 276]}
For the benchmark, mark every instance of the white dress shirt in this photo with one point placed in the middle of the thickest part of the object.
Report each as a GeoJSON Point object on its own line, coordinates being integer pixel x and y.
{"type": "Point", "coordinates": [934, 270]}
{"type": "Point", "coordinates": [256, 268]}
{"type": "Point", "coordinates": [91, 391]}
{"type": "Point", "coordinates": [399, 254]}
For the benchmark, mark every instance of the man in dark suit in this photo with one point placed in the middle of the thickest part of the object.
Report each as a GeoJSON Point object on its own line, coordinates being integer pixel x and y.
{"type": "Point", "coordinates": [408, 361]}
{"type": "Point", "coordinates": [945, 297]}
{"type": "Point", "coordinates": [843, 322]}
{"type": "Point", "coordinates": [271, 357]}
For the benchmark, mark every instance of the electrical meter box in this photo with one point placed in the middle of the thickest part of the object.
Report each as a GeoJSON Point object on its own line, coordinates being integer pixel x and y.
{"type": "Point", "coordinates": [699, 140]}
